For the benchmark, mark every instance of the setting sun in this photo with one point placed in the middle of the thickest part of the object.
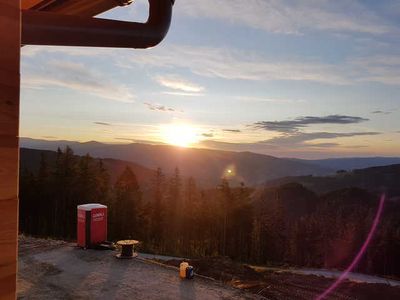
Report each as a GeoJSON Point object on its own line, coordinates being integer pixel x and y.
{"type": "Point", "coordinates": [182, 135]}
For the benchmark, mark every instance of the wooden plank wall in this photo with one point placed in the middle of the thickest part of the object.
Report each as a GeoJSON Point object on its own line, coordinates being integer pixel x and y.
{"type": "Point", "coordinates": [9, 152]}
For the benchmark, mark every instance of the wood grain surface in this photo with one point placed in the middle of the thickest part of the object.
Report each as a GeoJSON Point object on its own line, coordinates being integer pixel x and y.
{"type": "Point", "coordinates": [9, 156]}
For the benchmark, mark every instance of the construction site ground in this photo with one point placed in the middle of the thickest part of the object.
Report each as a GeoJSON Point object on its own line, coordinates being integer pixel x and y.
{"type": "Point", "coordinates": [50, 269]}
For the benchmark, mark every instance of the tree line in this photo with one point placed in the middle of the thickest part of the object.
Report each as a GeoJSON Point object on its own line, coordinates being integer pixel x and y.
{"type": "Point", "coordinates": [287, 224]}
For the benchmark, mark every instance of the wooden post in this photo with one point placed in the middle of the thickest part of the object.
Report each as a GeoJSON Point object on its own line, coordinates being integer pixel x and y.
{"type": "Point", "coordinates": [10, 33]}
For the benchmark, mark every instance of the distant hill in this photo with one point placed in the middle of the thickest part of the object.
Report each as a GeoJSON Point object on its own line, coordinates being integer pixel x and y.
{"type": "Point", "coordinates": [207, 166]}
{"type": "Point", "coordinates": [353, 163]}
{"type": "Point", "coordinates": [293, 198]}
{"type": "Point", "coordinates": [30, 159]}
{"type": "Point", "coordinates": [375, 179]}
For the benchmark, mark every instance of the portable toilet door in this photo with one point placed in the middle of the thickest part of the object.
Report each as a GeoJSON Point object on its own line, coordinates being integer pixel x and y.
{"type": "Point", "coordinates": [91, 224]}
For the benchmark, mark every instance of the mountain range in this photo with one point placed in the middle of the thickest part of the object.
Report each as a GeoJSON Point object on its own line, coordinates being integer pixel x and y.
{"type": "Point", "coordinates": [207, 166]}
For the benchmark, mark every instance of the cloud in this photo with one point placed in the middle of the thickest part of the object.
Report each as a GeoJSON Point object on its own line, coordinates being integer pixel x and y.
{"type": "Point", "coordinates": [183, 94]}
{"type": "Point", "coordinates": [301, 145]}
{"type": "Point", "coordinates": [125, 139]}
{"type": "Point", "coordinates": [208, 62]}
{"type": "Point", "coordinates": [356, 146]}
{"type": "Point", "coordinates": [139, 141]}
{"type": "Point", "coordinates": [177, 83]}
{"type": "Point", "coordinates": [290, 17]}
{"type": "Point", "coordinates": [232, 130]}
{"type": "Point", "coordinates": [378, 68]}
{"type": "Point", "coordinates": [234, 64]}
{"type": "Point", "coordinates": [301, 138]}
{"type": "Point", "coordinates": [102, 123]}
{"type": "Point", "coordinates": [381, 112]}
{"type": "Point", "coordinates": [162, 108]}
{"type": "Point", "coordinates": [77, 77]}
{"type": "Point", "coordinates": [292, 136]}
{"type": "Point", "coordinates": [266, 99]}
{"type": "Point", "coordinates": [49, 137]}
{"type": "Point", "coordinates": [323, 145]}
{"type": "Point", "coordinates": [208, 135]}
{"type": "Point", "coordinates": [301, 122]}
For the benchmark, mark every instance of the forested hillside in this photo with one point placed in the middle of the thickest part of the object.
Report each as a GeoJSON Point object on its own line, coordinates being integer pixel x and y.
{"type": "Point", "coordinates": [375, 179]}
{"type": "Point", "coordinates": [353, 163]}
{"type": "Point", "coordinates": [31, 159]}
{"type": "Point", "coordinates": [285, 224]}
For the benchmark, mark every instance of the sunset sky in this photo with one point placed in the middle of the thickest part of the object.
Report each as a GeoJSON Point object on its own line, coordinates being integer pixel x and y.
{"type": "Point", "coordinates": [305, 79]}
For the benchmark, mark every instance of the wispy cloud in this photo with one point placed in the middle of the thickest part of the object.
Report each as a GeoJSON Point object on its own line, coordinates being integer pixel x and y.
{"type": "Point", "coordinates": [139, 141]}
{"type": "Point", "coordinates": [292, 135]}
{"type": "Point", "coordinates": [208, 62]}
{"type": "Point", "coordinates": [182, 94]}
{"type": "Point", "coordinates": [290, 17]}
{"type": "Point", "coordinates": [300, 144]}
{"type": "Point", "coordinates": [323, 145]}
{"type": "Point", "coordinates": [175, 82]}
{"type": "Point", "coordinates": [234, 64]}
{"type": "Point", "coordinates": [207, 135]}
{"type": "Point", "coordinates": [301, 122]}
{"type": "Point", "coordinates": [232, 130]}
{"type": "Point", "coordinates": [102, 123]}
{"type": "Point", "coordinates": [237, 64]}
{"type": "Point", "coordinates": [378, 68]}
{"type": "Point", "coordinates": [162, 108]}
{"type": "Point", "coordinates": [267, 99]}
{"type": "Point", "coordinates": [301, 138]}
{"type": "Point", "coordinates": [381, 112]}
{"type": "Point", "coordinates": [77, 77]}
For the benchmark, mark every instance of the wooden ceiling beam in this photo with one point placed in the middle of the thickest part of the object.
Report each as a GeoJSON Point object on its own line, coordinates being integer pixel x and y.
{"type": "Point", "coordinates": [73, 7]}
{"type": "Point", "coordinates": [48, 28]}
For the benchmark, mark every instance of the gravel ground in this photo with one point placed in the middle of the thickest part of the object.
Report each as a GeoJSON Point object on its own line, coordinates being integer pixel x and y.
{"type": "Point", "coordinates": [58, 270]}
{"type": "Point", "coordinates": [50, 269]}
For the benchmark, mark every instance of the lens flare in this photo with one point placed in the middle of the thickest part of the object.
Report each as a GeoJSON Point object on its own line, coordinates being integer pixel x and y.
{"type": "Point", "coordinates": [359, 254]}
{"type": "Point", "coordinates": [229, 171]}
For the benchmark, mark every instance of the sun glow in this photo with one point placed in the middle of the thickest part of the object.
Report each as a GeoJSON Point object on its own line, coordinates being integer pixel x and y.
{"type": "Point", "coordinates": [182, 135]}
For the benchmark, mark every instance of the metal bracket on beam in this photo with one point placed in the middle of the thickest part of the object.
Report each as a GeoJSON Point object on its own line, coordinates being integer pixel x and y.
{"type": "Point", "coordinates": [46, 28]}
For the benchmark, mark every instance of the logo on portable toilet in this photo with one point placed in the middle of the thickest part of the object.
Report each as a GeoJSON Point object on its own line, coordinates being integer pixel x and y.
{"type": "Point", "coordinates": [189, 272]}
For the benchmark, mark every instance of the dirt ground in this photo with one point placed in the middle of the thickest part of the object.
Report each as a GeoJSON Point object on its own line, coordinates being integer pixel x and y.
{"type": "Point", "coordinates": [57, 270]}
{"type": "Point", "coordinates": [51, 269]}
{"type": "Point", "coordinates": [284, 285]}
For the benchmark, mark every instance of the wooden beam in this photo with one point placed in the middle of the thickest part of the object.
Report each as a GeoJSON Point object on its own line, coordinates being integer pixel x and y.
{"type": "Point", "coordinates": [70, 7]}
{"type": "Point", "coordinates": [27, 4]}
{"type": "Point", "coordinates": [10, 28]}
{"type": "Point", "coordinates": [50, 28]}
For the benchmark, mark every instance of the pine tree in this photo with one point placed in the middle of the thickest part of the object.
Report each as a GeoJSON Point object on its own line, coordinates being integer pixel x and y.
{"type": "Point", "coordinates": [127, 205]}
{"type": "Point", "coordinates": [174, 211]}
{"type": "Point", "coordinates": [102, 183]}
{"type": "Point", "coordinates": [157, 209]}
{"type": "Point", "coordinates": [226, 200]}
{"type": "Point", "coordinates": [43, 194]}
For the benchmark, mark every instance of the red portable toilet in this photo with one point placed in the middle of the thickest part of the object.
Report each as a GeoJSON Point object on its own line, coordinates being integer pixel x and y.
{"type": "Point", "coordinates": [92, 224]}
